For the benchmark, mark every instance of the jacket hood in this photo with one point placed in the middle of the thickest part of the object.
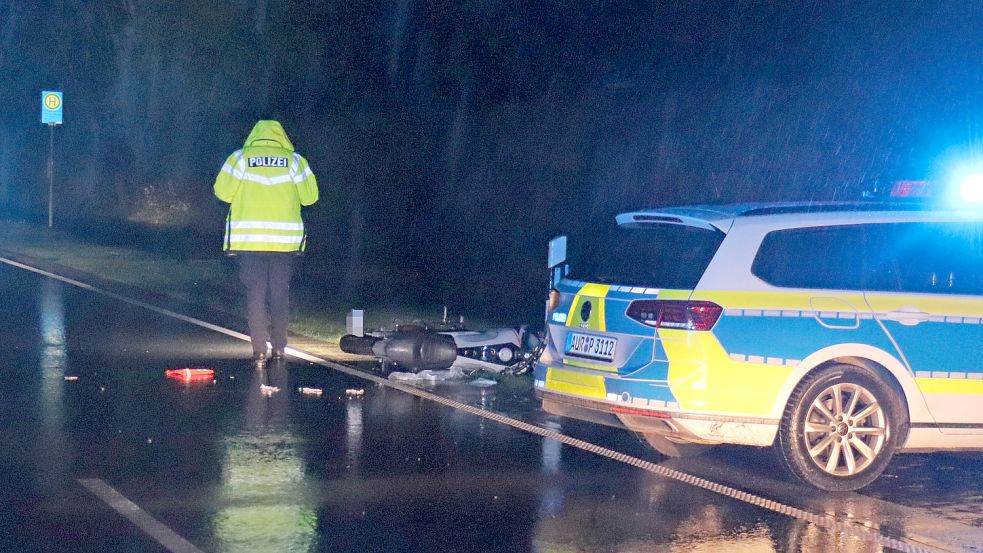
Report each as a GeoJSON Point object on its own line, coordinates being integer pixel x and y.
{"type": "Point", "coordinates": [269, 133]}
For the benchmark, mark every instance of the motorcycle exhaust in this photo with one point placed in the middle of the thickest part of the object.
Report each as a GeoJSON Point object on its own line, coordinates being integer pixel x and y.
{"type": "Point", "coordinates": [418, 352]}
{"type": "Point", "coordinates": [415, 351]}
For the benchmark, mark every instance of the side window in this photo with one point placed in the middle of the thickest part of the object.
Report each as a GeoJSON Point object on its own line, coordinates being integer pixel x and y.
{"type": "Point", "coordinates": [817, 257]}
{"type": "Point", "coordinates": [938, 258]}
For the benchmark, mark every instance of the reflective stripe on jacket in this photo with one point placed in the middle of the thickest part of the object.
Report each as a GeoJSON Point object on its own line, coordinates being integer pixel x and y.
{"type": "Point", "coordinates": [266, 183]}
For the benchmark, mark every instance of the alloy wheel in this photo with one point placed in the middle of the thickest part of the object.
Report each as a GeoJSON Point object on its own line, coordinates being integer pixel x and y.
{"type": "Point", "coordinates": [845, 429]}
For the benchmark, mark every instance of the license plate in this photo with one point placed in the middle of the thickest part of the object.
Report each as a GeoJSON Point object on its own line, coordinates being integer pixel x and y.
{"type": "Point", "coordinates": [594, 347]}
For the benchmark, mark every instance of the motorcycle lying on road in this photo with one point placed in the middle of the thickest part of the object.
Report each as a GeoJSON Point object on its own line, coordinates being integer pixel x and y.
{"type": "Point", "coordinates": [420, 346]}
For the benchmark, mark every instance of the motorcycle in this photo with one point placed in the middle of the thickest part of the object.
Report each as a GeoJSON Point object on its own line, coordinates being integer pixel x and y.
{"type": "Point", "coordinates": [420, 346]}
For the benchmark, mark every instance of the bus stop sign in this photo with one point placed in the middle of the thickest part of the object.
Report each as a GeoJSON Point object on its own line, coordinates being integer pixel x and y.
{"type": "Point", "coordinates": [51, 107]}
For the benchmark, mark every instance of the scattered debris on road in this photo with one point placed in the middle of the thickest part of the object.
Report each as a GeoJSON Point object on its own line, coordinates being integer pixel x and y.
{"type": "Point", "coordinates": [427, 375]}
{"type": "Point", "coordinates": [191, 375]}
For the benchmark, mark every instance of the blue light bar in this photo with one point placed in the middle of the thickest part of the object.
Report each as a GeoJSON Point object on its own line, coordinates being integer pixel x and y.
{"type": "Point", "coordinates": [971, 188]}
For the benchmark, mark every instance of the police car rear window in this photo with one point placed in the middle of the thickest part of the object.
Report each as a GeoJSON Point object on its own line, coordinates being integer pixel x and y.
{"type": "Point", "coordinates": [821, 257]}
{"type": "Point", "coordinates": [656, 256]}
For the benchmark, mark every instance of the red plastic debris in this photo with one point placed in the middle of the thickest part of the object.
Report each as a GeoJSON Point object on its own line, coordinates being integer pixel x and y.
{"type": "Point", "coordinates": [191, 375]}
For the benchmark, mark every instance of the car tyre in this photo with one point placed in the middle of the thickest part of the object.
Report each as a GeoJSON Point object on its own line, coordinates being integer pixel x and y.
{"type": "Point", "coordinates": [671, 448]}
{"type": "Point", "coordinates": [840, 428]}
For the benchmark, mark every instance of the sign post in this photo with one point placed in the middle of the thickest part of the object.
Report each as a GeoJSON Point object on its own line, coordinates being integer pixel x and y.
{"type": "Point", "coordinates": [51, 114]}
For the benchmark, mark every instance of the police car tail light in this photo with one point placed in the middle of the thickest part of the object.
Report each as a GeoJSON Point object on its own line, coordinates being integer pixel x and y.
{"type": "Point", "coordinates": [681, 314]}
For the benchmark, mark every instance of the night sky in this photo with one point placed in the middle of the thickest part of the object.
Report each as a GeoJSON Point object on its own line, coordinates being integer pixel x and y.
{"type": "Point", "coordinates": [452, 139]}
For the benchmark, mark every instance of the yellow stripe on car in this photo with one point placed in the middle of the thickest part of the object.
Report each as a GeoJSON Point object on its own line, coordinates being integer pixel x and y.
{"type": "Point", "coordinates": [703, 377]}
{"type": "Point", "coordinates": [594, 293]}
{"type": "Point", "coordinates": [959, 386]}
{"type": "Point", "coordinates": [575, 383]}
{"type": "Point", "coordinates": [948, 306]}
{"type": "Point", "coordinates": [784, 301]}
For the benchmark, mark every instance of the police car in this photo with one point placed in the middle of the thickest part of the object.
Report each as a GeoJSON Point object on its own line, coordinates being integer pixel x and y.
{"type": "Point", "coordinates": [838, 333]}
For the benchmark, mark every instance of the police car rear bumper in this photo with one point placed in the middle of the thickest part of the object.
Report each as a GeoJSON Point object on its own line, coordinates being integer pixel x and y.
{"type": "Point", "coordinates": [690, 427]}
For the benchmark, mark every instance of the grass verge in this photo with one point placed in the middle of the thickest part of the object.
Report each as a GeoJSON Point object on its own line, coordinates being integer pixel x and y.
{"type": "Point", "coordinates": [210, 282]}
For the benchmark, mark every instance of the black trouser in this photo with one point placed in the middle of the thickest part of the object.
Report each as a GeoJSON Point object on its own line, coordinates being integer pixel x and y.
{"type": "Point", "coordinates": [267, 279]}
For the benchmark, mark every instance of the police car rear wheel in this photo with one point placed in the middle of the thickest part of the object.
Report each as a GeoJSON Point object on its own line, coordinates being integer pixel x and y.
{"type": "Point", "coordinates": [671, 448]}
{"type": "Point", "coordinates": [840, 428]}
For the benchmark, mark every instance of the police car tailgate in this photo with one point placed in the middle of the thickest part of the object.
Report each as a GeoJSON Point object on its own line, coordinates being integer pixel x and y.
{"type": "Point", "coordinates": [591, 330]}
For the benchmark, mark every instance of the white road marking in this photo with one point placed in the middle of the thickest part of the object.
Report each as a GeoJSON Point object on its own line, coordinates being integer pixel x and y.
{"type": "Point", "coordinates": [852, 528]}
{"type": "Point", "coordinates": [125, 299]}
{"type": "Point", "coordinates": [142, 519]}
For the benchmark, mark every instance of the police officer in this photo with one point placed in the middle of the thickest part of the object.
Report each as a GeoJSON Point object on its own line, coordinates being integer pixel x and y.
{"type": "Point", "coordinates": [266, 183]}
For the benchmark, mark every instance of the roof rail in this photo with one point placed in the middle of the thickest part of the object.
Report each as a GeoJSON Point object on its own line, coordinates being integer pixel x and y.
{"type": "Point", "coordinates": [833, 207]}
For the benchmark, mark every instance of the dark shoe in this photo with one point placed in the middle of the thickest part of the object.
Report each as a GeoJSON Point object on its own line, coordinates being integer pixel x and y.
{"type": "Point", "coordinates": [259, 361]}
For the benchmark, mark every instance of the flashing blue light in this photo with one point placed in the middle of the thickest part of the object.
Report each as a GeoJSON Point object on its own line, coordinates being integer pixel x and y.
{"type": "Point", "coordinates": [971, 188]}
{"type": "Point", "coordinates": [963, 181]}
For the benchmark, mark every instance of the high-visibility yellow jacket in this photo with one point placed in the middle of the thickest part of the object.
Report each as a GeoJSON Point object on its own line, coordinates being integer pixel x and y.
{"type": "Point", "coordinates": [267, 183]}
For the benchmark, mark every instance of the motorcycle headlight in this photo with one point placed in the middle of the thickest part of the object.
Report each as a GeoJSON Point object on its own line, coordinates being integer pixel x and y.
{"type": "Point", "coordinates": [505, 354]}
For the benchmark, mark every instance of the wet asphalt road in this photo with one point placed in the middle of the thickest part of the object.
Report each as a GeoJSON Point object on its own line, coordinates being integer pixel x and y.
{"type": "Point", "coordinates": [227, 468]}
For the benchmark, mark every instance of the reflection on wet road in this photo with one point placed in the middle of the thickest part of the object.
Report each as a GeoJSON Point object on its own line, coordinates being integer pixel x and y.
{"type": "Point", "coordinates": [230, 468]}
